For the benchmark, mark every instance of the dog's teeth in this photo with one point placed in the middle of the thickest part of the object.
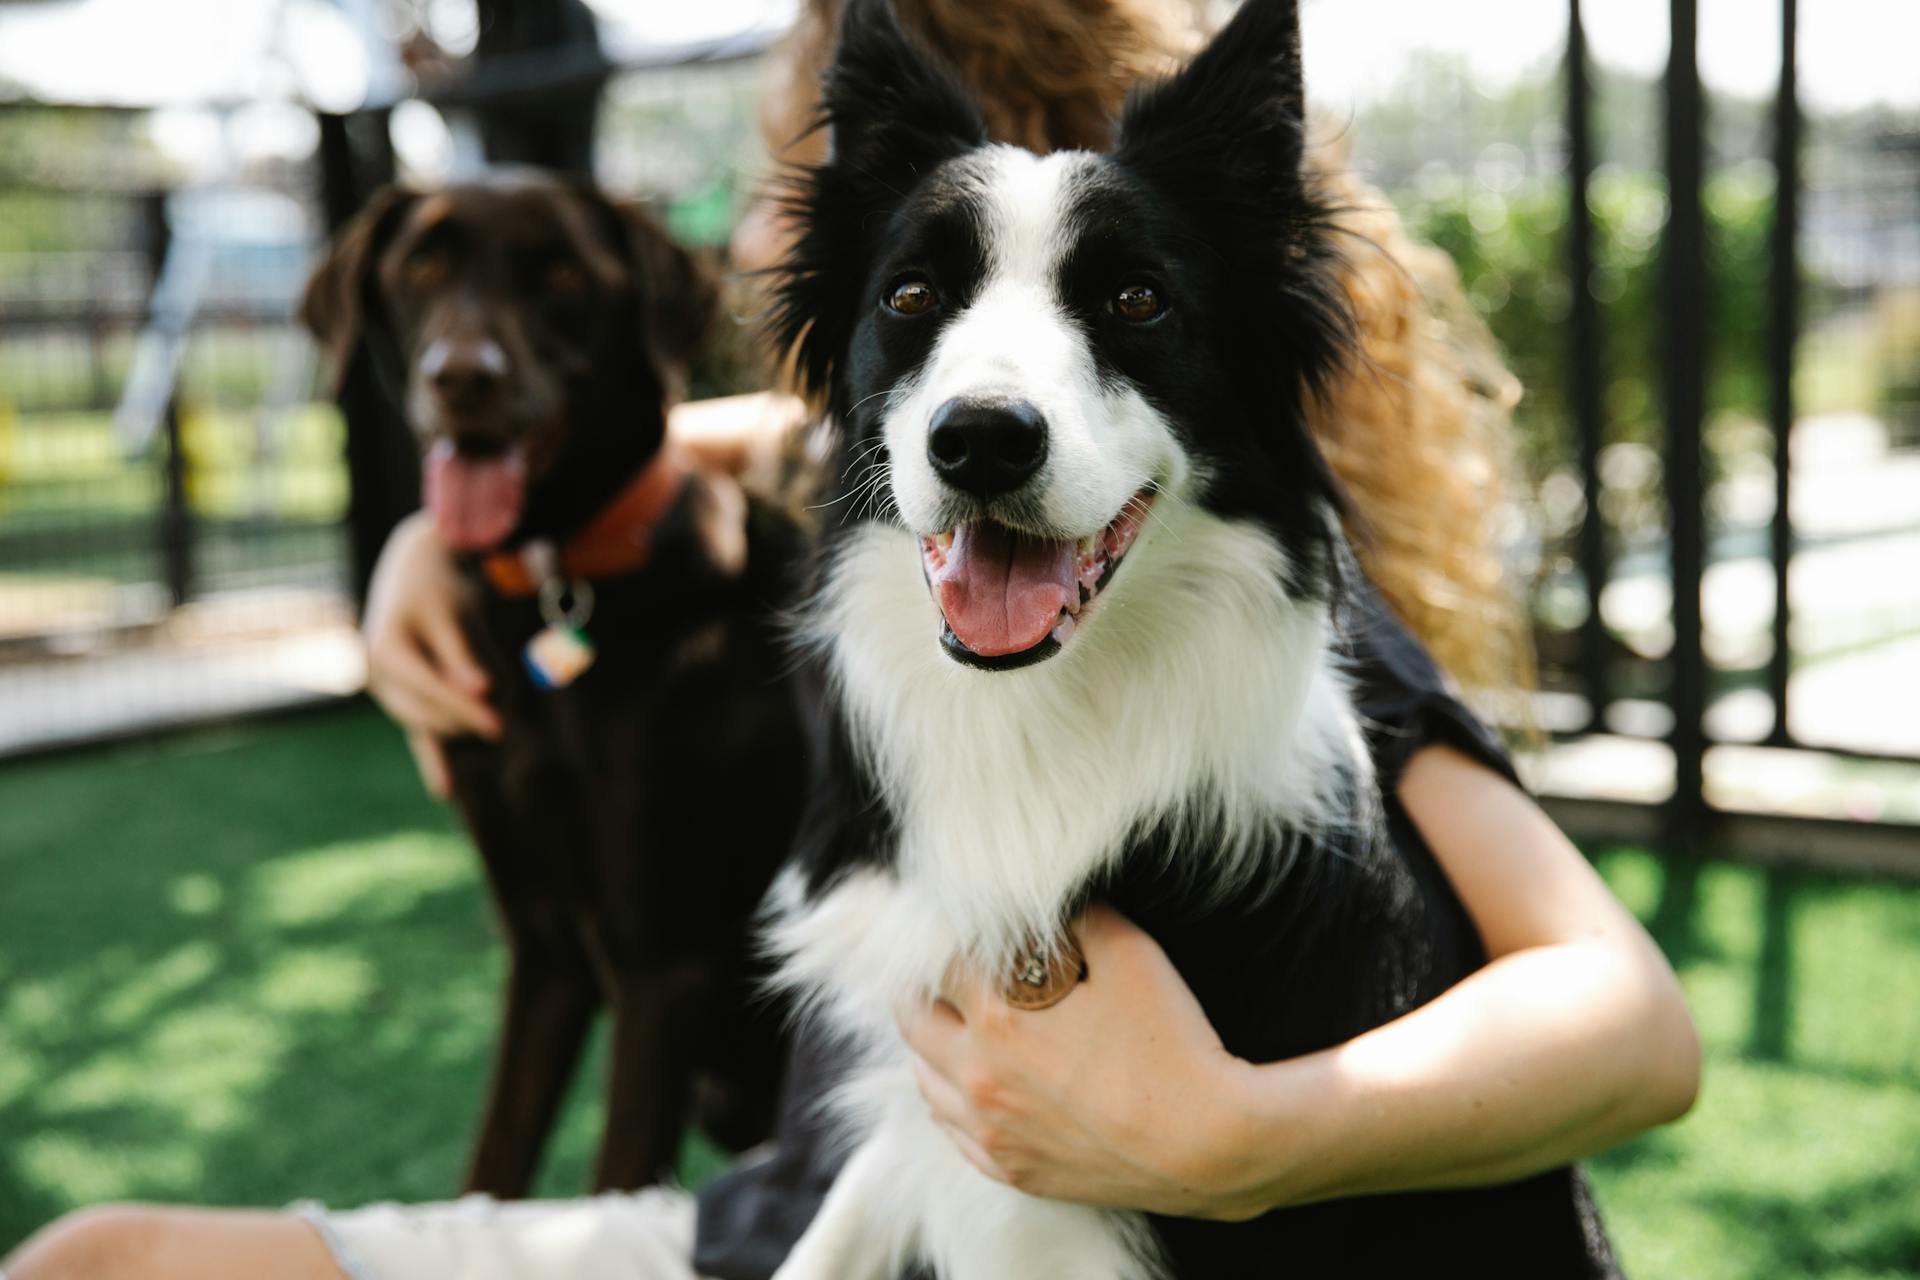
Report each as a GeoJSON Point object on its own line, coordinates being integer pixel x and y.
{"type": "Point", "coordinates": [1063, 630]}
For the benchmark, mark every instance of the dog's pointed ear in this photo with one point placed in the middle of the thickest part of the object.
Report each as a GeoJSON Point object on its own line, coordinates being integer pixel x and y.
{"type": "Point", "coordinates": [892, 109]}
{"type": "Point", "coordinates": [335, 303]}
{"type": "Point", "coordinates": [893, 113]}
{"type": "Point", "coordinates": [1224, 142]}
{"type": "Point", "coordinates": [1235, 117]}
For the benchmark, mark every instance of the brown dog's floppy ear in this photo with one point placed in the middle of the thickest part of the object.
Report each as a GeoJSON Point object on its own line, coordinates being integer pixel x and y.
{"type": "Point", "coordinates": [678, 296]}
{"type": "Point", "coordinates": [681, 294]}
{"type": "Point", "coordinates": [334, 305]}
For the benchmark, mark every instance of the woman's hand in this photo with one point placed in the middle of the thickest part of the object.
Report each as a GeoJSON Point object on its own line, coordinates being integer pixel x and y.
{"type": "Point", "coordinates": [1109, 1097]}
{"type": "Point", "coordinates": [419, 666]}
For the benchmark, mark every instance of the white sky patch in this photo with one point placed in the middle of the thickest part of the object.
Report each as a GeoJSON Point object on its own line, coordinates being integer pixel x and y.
{"type": "Point", "coordinates": [159, 52]}
{"type": "Point", "coordinates": [1852, 52]}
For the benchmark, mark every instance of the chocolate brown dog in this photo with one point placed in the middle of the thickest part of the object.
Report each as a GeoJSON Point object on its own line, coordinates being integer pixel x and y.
{"type": "Point", "coordinates": [623, 601]}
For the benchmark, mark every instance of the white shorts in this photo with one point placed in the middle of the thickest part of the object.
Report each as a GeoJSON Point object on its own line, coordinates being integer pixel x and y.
{"type": "Point", "coordinates": [643, 1235]}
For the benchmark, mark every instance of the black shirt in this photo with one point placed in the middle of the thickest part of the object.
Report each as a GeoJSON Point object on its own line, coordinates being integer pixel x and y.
{"type": "Point", "coordinates": [750, 1218]}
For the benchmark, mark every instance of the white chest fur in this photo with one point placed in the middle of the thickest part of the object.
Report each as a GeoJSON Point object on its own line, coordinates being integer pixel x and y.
{"type": "Point", "coordinates": [1196, 695]}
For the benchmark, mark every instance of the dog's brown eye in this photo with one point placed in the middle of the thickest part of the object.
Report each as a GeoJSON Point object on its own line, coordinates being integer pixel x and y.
{"type": "Point", "coordinates": [565, 279]}
{"type": "Point", "coordinates": [912, 298]}
{"type": "Point", "coordinates": [1137, 302]}
{"type": "Point", "coordinates": [425, 268]}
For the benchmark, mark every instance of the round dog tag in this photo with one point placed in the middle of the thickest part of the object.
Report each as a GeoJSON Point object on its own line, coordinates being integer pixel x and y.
{"type": "Point", "coordinates": [1039, 982]}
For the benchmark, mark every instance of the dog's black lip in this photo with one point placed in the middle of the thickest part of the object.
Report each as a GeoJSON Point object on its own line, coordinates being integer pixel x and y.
{"type": "Point", "coordinates": [959, 652]}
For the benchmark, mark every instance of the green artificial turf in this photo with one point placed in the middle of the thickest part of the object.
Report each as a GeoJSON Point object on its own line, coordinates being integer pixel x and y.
{"type": "Point", "coordinates": [255, 965]}
{"type": "Point", "coordinates": [1802, 1157]}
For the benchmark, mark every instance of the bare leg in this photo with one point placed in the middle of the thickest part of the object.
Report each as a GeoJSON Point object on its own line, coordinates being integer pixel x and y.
{"type": "Point", "coordinates": [138, 1242]}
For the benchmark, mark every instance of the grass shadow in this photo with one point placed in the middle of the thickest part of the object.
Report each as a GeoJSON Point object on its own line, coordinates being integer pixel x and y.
{"type": "Point", "coordinates": [1772, 1036]}
{"type": "Point", "coordinates": [1844, 1225]}
{"type": "Point", "coordinates": [1801, 1156]}
{"type": "Point", "coordinates": [242, 967]}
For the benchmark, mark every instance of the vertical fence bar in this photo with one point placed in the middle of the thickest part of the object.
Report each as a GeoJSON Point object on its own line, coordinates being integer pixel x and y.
{"type": "Point", "coordinates": [355, 158]}
{"type": "Point", "coordinates": [1683, 272]}
{"type": "Point", "coordinates": [1784, 284]}
{"type": "Point", "coordinates": [174, 532]}
{"type": "Point", "coordinates": [1583, 364]}
{"type": "Point", "coordinates": [176, 518]}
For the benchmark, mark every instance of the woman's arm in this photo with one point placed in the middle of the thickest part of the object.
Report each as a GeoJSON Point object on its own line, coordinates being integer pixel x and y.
{"type": "Point", "coordinates": [1573, 1038]}
{"type": "Point", "coordinates": [420, 668]}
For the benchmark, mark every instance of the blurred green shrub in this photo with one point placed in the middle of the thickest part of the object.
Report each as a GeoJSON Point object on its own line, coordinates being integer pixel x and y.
{"type": "Point", "coordinates": [1512, 251]}
{"type": "Point", "coordinates": [1898, 387]}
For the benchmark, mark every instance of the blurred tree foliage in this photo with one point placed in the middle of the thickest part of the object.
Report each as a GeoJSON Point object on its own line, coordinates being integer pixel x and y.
{"type": "Point", "coordinates": [1512, 252]}
{"type": "Point", "coordinates": [64, 175]}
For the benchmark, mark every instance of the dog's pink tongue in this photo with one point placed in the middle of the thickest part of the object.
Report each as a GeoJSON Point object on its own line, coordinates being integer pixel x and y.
{"type": "Point", "coordinates": [475, 502]}
{"type": "Point", "coordinates": [1002, 591]}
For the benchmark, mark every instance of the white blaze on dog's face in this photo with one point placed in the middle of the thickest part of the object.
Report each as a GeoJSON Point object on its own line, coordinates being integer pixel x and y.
{"type": "Point", "coordinates": [1014, 348]}
{"type": "Point", "coordinates": [1025, 353]}
{"type": "Point", "coordinates": [1024, 471]}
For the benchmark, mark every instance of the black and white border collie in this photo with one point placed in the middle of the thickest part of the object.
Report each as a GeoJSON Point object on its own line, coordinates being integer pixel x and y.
{"type": "Point", "coordinates": [1074, 620]}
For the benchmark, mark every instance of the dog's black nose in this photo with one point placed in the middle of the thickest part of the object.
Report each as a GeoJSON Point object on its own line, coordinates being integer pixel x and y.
{"type": "Point", "coordinates": [987, 447]}
{"type": "Point", "coordinates": [465, 373]}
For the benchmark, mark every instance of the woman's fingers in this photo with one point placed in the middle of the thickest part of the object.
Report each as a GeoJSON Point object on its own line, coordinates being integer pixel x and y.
{"type": "Point", "coordinates": [459, 684]}
{"type": "Point", "coordinates": [967, 994]}
{"type": "Point", "coordinates": [930, 1028]}
{"type": "Point", "coordinates": [948, 1105]}
{"type": "Point", "coordinates": [416, 694]}
{"type": "Point", "coordinates": [944, 1098]}
{"type": "Point", "coordinates": [419, 664]}
{"type": "Point", "coordinates": [975, 1153]}
{"type": "Point", "coordinates": [430, 758]}
{"type": "Point", "coordinates": [413, 712]}
{"type": "Point", "coordinates": [446, 644]}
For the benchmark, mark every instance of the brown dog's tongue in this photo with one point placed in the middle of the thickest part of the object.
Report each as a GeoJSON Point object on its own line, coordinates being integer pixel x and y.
{"type": "Point", "coordinates": [475, 502]}
{"type": "Point", "coordinates": [1003, 591]}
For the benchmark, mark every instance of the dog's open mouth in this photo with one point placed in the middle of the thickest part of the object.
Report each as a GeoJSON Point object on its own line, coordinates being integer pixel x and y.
{"type": "Point", "coordinates": [475, 500]}
{"type": "Point", "coordinates": [1009, 598]}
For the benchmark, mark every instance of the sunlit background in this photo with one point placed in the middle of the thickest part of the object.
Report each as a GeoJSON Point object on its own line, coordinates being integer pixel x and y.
{"type": "Point", "coordinates": [203, 931]}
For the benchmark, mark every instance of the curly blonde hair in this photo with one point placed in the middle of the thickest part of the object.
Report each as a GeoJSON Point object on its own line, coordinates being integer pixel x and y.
{"type": "Point", "coordinates": [1418, 428]}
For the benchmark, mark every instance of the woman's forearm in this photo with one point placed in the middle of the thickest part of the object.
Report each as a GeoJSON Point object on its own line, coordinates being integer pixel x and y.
{"type": "Point", "coordinates": [1574, 1037]}
{"type": "Point", "coordinates": [1546, 1055]}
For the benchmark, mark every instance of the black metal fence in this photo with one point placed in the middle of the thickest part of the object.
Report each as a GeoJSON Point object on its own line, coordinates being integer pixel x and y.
{"type": "Point", "coordinates": [170, 522]}
{"type": "Point", "coordinates": [1690, 815]}
{"type": "Point", "coordinates": [177, 484]}
{"type": "Point", "coordinates": [186, 523]}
